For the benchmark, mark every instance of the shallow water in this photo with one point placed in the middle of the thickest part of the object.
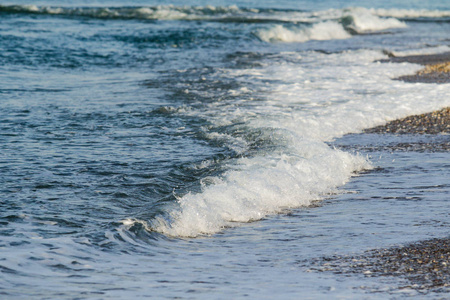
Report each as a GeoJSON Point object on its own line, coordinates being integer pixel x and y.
{"type": "Point", "coordinates": [402, 200]}
{"type": "Point", "coordinates": [198, 152]}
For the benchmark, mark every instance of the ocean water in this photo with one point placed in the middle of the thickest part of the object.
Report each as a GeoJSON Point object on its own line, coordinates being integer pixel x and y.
{"type": "Point", "coordinates": [210, 149]}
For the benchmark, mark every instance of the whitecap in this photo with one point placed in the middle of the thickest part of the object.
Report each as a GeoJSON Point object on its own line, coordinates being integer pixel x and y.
{"type": "Point", "coordinates": [362, 20]}
{"type": "Point", "coordinates": [320, 31]}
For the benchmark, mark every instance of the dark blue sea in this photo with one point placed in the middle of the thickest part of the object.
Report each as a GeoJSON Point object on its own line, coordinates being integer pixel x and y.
{"type": "Point", "coordinates": [209, 149]}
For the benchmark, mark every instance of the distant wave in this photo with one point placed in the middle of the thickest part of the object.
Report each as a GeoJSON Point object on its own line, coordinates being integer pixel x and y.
{"type": "Point", "coordinates": [161, 12]}
{"type": "Point", "coordinates": [337, 25]}
{"type": "Point", "coordinates": [231, 13]}
{"type": "Point", "coordinates": [321, 31]}
{"type": "Point", "coordinates": [361, 20]}
{"type": "Point", "coordinates": [282, 25]}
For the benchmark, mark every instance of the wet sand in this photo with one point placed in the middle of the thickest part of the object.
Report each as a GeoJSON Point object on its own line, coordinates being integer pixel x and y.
{"type": "Point", "coordinates": [424, 265]}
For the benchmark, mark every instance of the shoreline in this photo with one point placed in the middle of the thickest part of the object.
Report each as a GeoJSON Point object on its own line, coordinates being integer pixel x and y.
{"type": "Point", "coordinates": [425, 264]}
{"type": "Point", "coordinates": [436, 71]}
{"type": "Point", "coordinates": [437, 67]}
{"type": "Point", "coordinates": [436, 122]}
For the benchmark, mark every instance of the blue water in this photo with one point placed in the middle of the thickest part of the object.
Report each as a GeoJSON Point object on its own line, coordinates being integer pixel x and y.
{"type": "Point", "coordinates": [196, 150]}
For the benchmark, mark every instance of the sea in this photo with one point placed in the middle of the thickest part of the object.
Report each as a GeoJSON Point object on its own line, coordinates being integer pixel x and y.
{"type": "Point", "coordinates": [211, 149]}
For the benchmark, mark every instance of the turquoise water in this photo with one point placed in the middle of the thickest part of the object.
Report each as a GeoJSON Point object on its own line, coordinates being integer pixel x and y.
{"type": "Point", "coordinates": [196, 150]}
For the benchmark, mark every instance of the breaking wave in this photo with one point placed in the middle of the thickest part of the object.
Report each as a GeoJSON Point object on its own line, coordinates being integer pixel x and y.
{"type": "Point", "coordinates": [361, 20]}
{"type": "Point", "coordinates": [345, 23]}
{"type": "Point", "coordinates": [299, 167]}
{"type": "Point", "coordinates": [321, 31]}
{"type": "Point", "coordinates": [261, 186]}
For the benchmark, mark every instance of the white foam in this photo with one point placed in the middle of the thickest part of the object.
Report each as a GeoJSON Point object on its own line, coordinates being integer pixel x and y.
{"type": "Point", "coordinates": [260, 186]}
{"type": "Point", "coordinates": [363, 20]}
{"type": "Point", "coordinates": [347, 93]}
{"type": "Point", "coordinates": [31, 8]}
{"type": "Point", "coordinates": [321, 31]}
{"type": "Point", "coordinates": [164, 13]}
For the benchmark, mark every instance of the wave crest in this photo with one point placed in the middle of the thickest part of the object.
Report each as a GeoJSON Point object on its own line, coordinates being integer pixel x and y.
{"type": "Point", "coordinates": [360, 20]}
{"type": "Point", "coordinates": [321, 31]}
{"type": "Point", "coordinates": [264, 186]}
{"type": "Point", "coordinates": [342, 25]}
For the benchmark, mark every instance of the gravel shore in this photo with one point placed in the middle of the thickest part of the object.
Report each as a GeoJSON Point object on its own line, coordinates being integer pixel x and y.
{"type": "Point", "coordinates": [430, 123]}
{"type": "Point", "coordinates": [425, 264]}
